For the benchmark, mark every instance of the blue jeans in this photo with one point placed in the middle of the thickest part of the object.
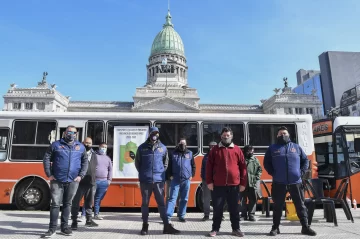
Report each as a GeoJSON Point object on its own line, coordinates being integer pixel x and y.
{"type": "Point", "coordinates": [176, 187]}
{"type": "Point", "coordinates": [61, 193]}
{"type": "Point", "coordinates": [101, 189]}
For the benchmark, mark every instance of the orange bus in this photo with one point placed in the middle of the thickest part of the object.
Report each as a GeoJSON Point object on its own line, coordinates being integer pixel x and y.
{"type": "Point", "coordinates": [25, 136]}
{"type": "Point", "coordinates": [337, 148]}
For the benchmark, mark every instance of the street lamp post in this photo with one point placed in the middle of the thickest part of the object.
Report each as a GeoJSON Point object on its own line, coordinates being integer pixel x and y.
{"type": "Point", "coordinates": [165, 66]}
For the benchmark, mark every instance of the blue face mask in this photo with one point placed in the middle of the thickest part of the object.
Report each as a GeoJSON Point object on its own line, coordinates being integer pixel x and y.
{"type": "Point", "coordinates": [70, 137]}
{"type": "Point", "coordinates": [102, 150]}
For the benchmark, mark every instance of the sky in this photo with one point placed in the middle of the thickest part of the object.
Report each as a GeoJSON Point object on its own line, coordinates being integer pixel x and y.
{"type": "Point", "coordinates": [237, 51]}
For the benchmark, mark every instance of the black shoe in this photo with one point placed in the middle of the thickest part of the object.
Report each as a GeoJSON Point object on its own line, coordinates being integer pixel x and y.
{"type": "Point", "coordinates": [74, 225]}
{"type": "Point", "coordinates": [252, 219]}
{"type": "Point", "coordinates": [66, 232]}
{"type": "Point", "coordinates": [182, 220]}
{"type": "Point", "coordinates": [223, 218]}
{"type": "Point", "coordinates": [205, 218]}
{"type": "Point", "coordinates": [169, 229]}
{"type": "Point", "coordinates": [91, 223]}
{"type": "Point", "coordinates": [274, 231]}
{"type": "Point", "coordinates": [49, 233]}
{"type": "Point", "coordinates": [308, 231]}
{"type": "Point", "coordinates": [145, 228]}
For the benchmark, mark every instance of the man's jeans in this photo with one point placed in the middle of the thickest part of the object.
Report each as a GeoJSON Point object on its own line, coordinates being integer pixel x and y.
{"type": "Point", "coordinates": [206, 198]}
{"type": "Point", "coordinates": [146, 190]}
{"type": "Point", "coordinates": [61, 193]}
{"type": "Point", "coordinates": [87, 191]}
{"type": "Point", "coordinates": [176, 187]}
{"type": "Point", "coordinates": [101, 189]}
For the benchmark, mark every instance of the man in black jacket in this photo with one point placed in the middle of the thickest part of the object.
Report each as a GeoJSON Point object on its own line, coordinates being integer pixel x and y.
{"type": "Point", "coordinates": [86, 189]}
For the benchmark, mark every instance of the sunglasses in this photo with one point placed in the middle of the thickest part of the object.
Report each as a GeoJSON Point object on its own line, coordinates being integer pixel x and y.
{"type": "Point", "coordinates": [71, 132]}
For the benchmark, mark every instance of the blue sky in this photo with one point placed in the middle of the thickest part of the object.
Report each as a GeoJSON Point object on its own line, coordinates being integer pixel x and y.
{"type": "Point", "coordinates": [238, 51]}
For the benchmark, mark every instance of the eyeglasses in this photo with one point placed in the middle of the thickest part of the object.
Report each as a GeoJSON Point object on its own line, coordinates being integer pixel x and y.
{"type": "Point", "coordinates": [71, 132]}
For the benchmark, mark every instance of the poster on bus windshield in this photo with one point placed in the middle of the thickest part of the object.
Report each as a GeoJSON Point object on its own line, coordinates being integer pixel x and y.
{"type": "Point", "coordinates": [127, 139]}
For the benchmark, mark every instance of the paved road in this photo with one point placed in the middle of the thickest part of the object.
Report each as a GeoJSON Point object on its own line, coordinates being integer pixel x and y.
{"type": "Point", "coordinates": [28, 225]}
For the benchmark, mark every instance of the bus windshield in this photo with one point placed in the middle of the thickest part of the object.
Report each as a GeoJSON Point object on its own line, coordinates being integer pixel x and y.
{"type": "Point", "coordinates": [352, 136]}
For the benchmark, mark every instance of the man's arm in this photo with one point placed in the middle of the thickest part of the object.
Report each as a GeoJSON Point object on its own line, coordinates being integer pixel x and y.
{"type": "Point", "coordinates": [209, 167]}
{"type": "Point", "coordinates": [169, 172]}
{"type": "Point", "coordinates": [304, 161]}
{"type": "Point", "coordinates": [193, 166]}
{"type": "Point", "coordinates": [203, 167]}
{"type": "Point", "coordinates": [110, 167]}
{"type": "Point", "coordinates": [242, 169]}
{"type": "Point", "coordinates": [268, 162]}
{"type": "Point", "coordinates": [259, 170]}
{"type": "Point", "coordinates": [138, 159]}
{"type": "Point", "coordinates": [84, 164]}
{"type": "Point", "coordinates": [47, 161]}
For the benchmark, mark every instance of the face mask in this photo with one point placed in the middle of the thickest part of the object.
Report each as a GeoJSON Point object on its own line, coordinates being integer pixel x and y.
{"type": "Point", "coordinates": [70, 137]}
{"type": "Point", "coordinates": [154, 137]}
{"type": "Point", "coordinates": [182, 147]}
{"type": "Point", "coordinates": [87, 147]}
{"type": "Point", "coordinates": [283, 139]}
{"type": "Point", "coordinates": [102, 150]}
{"type": "Point", "coordinates": [226, 141]}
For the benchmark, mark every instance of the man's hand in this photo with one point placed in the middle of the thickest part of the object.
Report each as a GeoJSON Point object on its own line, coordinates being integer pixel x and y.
{"type": "Point", "coordinates": [242, 188]}
{"type": "Point", "coordinates": [171, 178]}
{"type": "Point", "coordinates": [109, 182]}
{"type": "Point", "coordinates": [77, 179]}
{"type": "Point", "coordinates": [51, 178]}
{"type": "Point", "coordinates": [210, 186]}
{"type": "Point", "coordinates": [190, 178]}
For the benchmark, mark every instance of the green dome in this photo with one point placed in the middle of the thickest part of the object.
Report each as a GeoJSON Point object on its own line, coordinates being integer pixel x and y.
{"type": "Point", "coordinates": [167, 40]}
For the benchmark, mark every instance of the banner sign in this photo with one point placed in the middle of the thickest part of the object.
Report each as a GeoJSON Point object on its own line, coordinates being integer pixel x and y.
{"type": "Point", "coordinates": [127, 139]}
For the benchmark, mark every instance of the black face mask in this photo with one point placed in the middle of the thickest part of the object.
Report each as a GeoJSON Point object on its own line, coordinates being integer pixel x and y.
{"type": "Point", "coordinates": [249, 155]}
{"type": "Point", "coordinates": [87, 147]}
{"type": "Point", "coordinates": [283, 139]}
{"type": "Point", "coordinates": [182, 147]}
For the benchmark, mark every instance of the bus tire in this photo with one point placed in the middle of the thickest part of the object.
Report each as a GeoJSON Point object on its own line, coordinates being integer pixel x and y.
{"type": "Point", "coordinates": [199, 198]}
{"type": "Point", "coordinates": [32, 194]}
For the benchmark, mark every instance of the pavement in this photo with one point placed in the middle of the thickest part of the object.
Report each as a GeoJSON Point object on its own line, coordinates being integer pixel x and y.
{"type": "Point", "coordinates": [31, 224]}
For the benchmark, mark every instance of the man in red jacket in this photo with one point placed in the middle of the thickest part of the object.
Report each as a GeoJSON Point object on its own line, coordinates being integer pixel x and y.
{"type": "Point", "coordinates": [226, 177]}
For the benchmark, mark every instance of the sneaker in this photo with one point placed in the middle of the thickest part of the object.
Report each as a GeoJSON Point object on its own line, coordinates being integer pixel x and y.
{"type": "Point", "coordinates": [182, 219]}
{"type": "Point", "coordinates": [205, 218]}
{"type": "Point", "coordinates": [274, 231]}
{"type": "Point", "coordinates": [145, 228]}
{"type": "Point", "coordinates": [212, 234]}
{"type": "Point", "coordinates": [74, 225]}
{"type": "Point", "coordinates": [237, 233]}
{"type": "Point", "coordinates": [97, 217]}
{"type": "Point", "coordinates": [66, 232]}
{"type": "Point", "coordinates": [91, 223]}
{"type": "Point", "coordinates": [169, 229]}
{"type": "Point", "coordinates": [81, 219]}
{"type": "Point", "coordinates": [308, 231]}
{"type": "Point", "coordinates": [48, 234]}
{"type": "Point", "coordinates": [252, 219]}
{"type": "Point", "coordinates": [223, 218]}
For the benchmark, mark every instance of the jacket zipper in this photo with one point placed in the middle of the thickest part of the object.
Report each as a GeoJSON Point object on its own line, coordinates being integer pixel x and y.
{"type": "Point", "coordinates": [287, 163]}
{"type": "Point", "coordinates": [69, 163]}
{"type": "Point", "coordinates": [226, 166]}
{"type": "Point", "coordinates": [152, 165]}
{"type": "Point", "coordinates": [181, 165]}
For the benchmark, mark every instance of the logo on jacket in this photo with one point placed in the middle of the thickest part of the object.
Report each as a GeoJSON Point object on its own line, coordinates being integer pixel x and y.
{"type": "Point", "coordinates": [160, 150]}
{"type": "Point", "coordinates": [293, 150]}
{"type": "Point", "coordinates": [77, 147]}
{"type": "Point", "coordinates": [61, 147]}
{"type": "Point", "coordinates": [187, 156]}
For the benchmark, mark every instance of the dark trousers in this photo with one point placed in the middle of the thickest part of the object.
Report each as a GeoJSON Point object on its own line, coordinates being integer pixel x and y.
{"type": "Point", "coordinates": [146, 191]}
{"type": "Point", "coordinates": [230, 194]}
{"type": "Point", "coordinates": [61, 193]}
{"type": "Point", "coordinates": [278, 193]}
{"type": "Point", "coordinates": [86, 190]}
{"type": "Point", "coordinates": [248, 209]}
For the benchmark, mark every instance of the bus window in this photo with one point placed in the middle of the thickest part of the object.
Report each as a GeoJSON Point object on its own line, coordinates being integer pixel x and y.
{"type": "Point", "coordinates": [110, 133]}
{"type": "Point", "coordinates": [4, 142]}
{"type": "Point", "coordinates": [341, 167]}
{"type": "Point", "coordinates": [95, 130]}
{"type": "Point", "coordinates": [354, 157]}
{"type": "Point", "coordinates": [170, 133]}
{"type": "Point", "coordinates": [212, 131]}
{"type": "Point", "coordinates": [31, 139]}
{"type": "Point", "coordinates": [263, 135]}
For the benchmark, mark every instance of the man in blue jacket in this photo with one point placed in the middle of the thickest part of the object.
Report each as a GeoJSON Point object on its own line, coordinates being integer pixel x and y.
{"type": "Point", "coordinates": [65, 164]}
{"type": "Point", "coordinates": [151, 161]}
{"type": "Point", "coordinates": [286, 162]}
{"type": "Point", "coordinates": [180, 171]}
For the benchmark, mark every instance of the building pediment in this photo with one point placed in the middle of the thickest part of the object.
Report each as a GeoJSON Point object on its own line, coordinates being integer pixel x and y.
{"type": "Point", "coordinates": [164, 104]}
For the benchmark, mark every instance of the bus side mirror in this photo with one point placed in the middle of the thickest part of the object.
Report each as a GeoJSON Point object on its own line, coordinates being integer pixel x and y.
{"type": "Point", "coordinates": [357, 145]}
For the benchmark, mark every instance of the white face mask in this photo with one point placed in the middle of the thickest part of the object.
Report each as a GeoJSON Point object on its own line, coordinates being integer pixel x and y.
{"type": "Point", "coordinates": [103, 150]}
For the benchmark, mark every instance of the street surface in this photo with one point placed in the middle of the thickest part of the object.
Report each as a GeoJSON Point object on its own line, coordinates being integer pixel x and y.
{"type": "Point", "coordinates": [118, 225]}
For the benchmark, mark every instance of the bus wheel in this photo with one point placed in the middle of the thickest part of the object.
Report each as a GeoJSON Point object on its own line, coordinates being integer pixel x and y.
{"type": "Point", "coordinates": [32, 194]}
{"type": "Point", "coordinates": [199, 199]}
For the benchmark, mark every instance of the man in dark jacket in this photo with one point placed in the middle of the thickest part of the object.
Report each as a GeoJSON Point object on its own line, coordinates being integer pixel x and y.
{"type": "Point", "coordinates": [226, 176]}
{"type": "Point", "coordinates": [86, 189]}
{"type": "Point", "coordinates": [286, 162]}
{"type": "Point", "coordinates": [205, 190]}
{"type": "Point", "coordinates": [180, 171]}
{"type": "Point", "coordinates": [65, 163]}
{"type": "Point", "coordinates": [151, 161]}
{"type": "Point", "coordinates": [251, 192]}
